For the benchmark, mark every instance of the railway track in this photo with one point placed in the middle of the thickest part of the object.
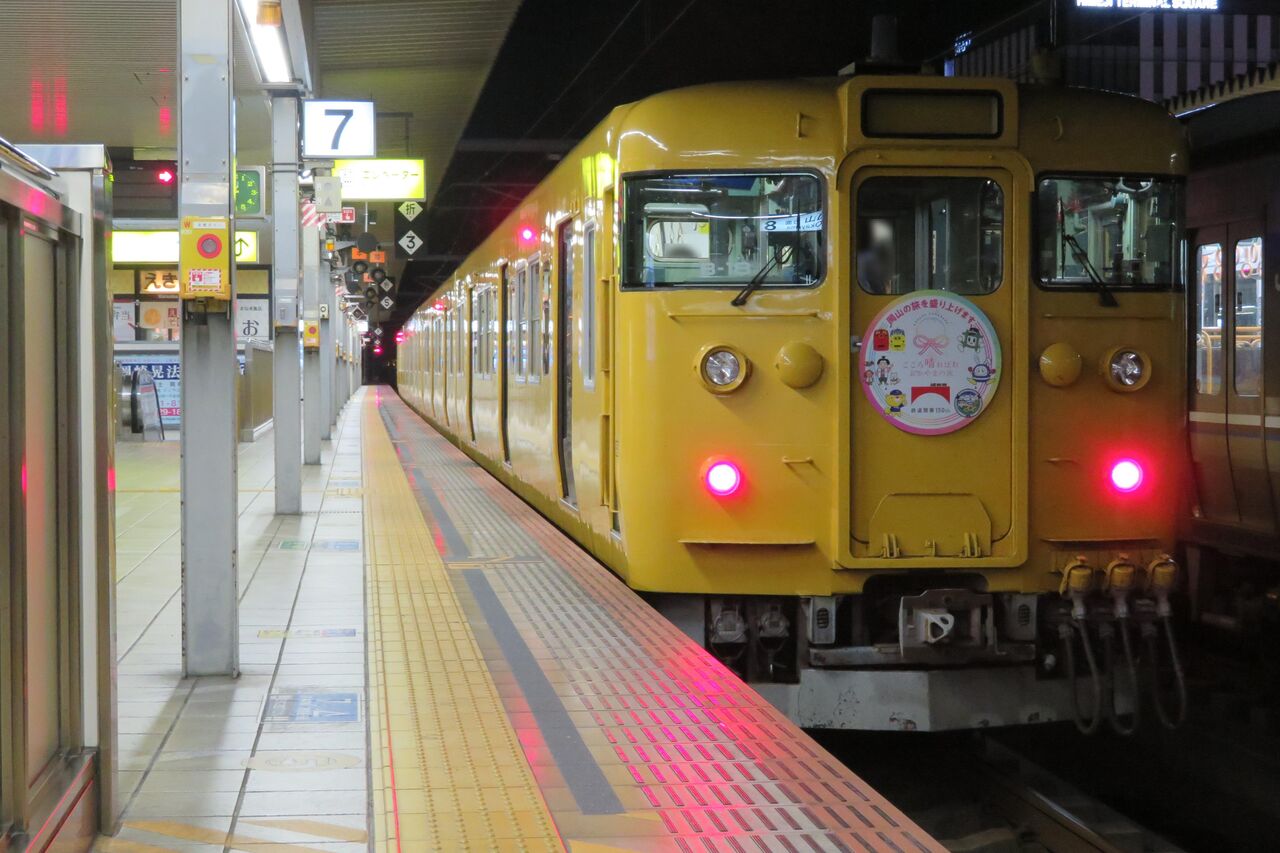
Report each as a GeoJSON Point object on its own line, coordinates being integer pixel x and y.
{"type": "Point", "coordinates": [976, 795]}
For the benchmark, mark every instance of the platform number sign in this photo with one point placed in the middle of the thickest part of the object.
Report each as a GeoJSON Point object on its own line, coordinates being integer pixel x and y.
{"type": "Point", "coordinates": [339, 129]}
{"type": "Point", "coordinates": [409, 229]}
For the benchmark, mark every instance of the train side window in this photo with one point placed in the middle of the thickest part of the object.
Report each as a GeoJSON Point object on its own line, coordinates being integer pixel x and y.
{"type": "Point", "coordinates": [1248, 317]}
{"type": "Point", "coordinates": [494, 327]}
{"type": "Point", "coordinates": [486, 334]}
{"type": "Point", "coordinates": [522, 323]}
{"type": "Point", "coordinates": [476, 314]}
{"type": "Point", "coordinates": [587, 352]}
{"type": "Point", "coordinates": [533, 304]}
{"type": "Point", "coordinates": [513, 313]}
{"type": "Point", "coordinates": [1209, 354]}
{"type": "Point", "coordinates": [934, 233]}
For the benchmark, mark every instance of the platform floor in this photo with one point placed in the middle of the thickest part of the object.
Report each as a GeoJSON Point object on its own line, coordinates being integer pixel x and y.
{"type": "Point", "coordinates": [511, 695]}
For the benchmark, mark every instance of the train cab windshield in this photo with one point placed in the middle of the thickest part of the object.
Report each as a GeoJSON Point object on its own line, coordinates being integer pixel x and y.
{"type": "Point", "coordinates": [722, 230]}
{"type": "Point", "coordinates": [1104, 232]}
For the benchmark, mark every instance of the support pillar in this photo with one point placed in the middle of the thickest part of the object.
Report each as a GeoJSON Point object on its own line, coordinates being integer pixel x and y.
{"type": "Point", "coordinates": [286, 398]}
{"type": "Point", "coordinates": [206, 154]}
{"type": "Point", "coordinates": [313, 417]}
{"type": "Point", "coordinates": [335, 366]}
{"type": "Point", "coordinates": [326, 354]}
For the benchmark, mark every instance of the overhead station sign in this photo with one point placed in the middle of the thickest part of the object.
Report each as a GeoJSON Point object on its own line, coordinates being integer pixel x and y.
{"type": "Point", "coordinates": [1151, 5]}
{"type": "Point", "coordinates": [333, 129]}
{"type": "Point", "coordinates": [382, 180]}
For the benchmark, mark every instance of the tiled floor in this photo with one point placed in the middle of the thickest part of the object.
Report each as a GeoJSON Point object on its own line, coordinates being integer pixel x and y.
{"type": "Point", "coordinates": [276, 759]}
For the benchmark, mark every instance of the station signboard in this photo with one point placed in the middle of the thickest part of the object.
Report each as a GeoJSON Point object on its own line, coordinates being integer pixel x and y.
{"type": "Point", "coordinates": [1150, 5]}
{"type": "Point", "coordinates": [382, 180]}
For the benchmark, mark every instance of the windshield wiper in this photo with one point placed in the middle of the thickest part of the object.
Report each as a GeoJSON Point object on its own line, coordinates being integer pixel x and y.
{"type": "Point", "coordinates": [758, 279]}
{"type": "Point", "coordinates": [1105, 296]}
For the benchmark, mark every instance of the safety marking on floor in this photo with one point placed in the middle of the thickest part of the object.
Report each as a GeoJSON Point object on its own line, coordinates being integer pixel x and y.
{"type": "Point", "coordinates": [125, 845]}
{"type": "Point", "coordinates": [205, 835]}
{"type": "Point", "coordinates": [293, 545]}
{"type": "Point", "coordinates": [591, 790]}
{"type": "Point", "coordinates": [344, 545]}
{"type": "Point", "coordinates": [306, 633]}
{"type": "Point", "coordinates": [320, 829]}
{"type": "Point", "coordinates": [302, 761]}
{"type": "Point", "coordinates": [448, 769]}
{"type": "Point", "coordinates": [698, 759]}
{"type": "Point", "coordinates": [310, 705]}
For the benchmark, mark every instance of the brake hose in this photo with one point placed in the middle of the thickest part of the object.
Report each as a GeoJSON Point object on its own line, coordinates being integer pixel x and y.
{"type": "Point", "coordinates": [1095, 716]}
{"type": "Point", "coordinates": [1169, 721]}
{"type": "Point", "coordinates": [1122, 625]}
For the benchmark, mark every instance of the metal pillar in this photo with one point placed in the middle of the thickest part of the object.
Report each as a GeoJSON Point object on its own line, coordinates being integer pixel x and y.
{"type": "Point", "coordinates": [326, 355]}
{"type": "Point", "coordinates": [286, 400]}
{"type": "Point", "coordinates": [331, 353]}
{"type": "Point", "coordinates": [313, 417]}
{"type": "Point", "coordinates": [206, 154]}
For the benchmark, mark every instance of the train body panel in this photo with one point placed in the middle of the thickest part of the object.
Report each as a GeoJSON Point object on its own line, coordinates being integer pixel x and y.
{"type": "Point", "coordinates": [665, 347]}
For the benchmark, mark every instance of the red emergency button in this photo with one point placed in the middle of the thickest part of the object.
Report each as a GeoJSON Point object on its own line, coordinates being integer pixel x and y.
{"type": "Point", "coordinates": [209, 245]}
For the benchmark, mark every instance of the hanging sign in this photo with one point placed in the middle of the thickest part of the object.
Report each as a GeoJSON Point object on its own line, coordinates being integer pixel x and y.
{"type": "Point", "coordinates": [930, 362]}
{"type": "Point", "coordinates": [382, 180]}
{"type": "Point", "coordinates": [339, 129]}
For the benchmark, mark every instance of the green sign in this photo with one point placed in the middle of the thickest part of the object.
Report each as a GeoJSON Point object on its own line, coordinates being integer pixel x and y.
{"type": "Point", "coordinates": [249, 190]}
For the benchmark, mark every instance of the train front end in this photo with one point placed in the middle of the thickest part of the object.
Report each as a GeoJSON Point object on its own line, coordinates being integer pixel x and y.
{"type": "Point", "coordinates": [903, 358]}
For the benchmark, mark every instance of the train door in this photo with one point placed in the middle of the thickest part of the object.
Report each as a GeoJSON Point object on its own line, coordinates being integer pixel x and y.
{"type": "Point", "coordinates": [473, 365]}
{"type": "Point", "coordinates": [938, 414]}
{"type": "Point", "coordinates": [1246, 421]}
{"type": "Point", "coordinates": [1208, 411]}
{"type": "Point", "coordinates": [504, 357]}
{"type": "Point", "coordinates": [565, 360]}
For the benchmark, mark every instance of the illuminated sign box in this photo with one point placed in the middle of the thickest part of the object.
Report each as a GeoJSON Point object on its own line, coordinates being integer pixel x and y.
{"type": "Point", "coordinates": [1151, 5]}
{"type": "Point", "coordinates": [161, 247]}
{"type": "Point", "coordinates": [382, 180]}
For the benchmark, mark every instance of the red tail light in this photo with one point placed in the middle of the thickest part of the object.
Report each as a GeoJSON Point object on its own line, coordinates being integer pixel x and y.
{"type": "Point", "coordinates": [1126, 475]}
{"type": "Point", "coordinates": [723, 479]}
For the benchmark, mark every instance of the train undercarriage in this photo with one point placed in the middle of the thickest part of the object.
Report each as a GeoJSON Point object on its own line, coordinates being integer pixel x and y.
{"type": "Point", "coordinates": [909, 655]}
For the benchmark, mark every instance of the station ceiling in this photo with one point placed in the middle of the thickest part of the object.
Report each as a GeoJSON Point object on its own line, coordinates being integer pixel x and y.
{"type": "Point", "coordinates": [489, 92]}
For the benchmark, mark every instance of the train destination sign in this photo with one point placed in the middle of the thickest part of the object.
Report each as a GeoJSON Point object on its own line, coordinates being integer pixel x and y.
{"type": "Point", "coordinates": [930, 362]}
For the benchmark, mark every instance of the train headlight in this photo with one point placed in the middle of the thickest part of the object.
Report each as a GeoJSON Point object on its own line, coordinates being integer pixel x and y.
{"type": "Point", "coordinates": [723, 369]}
{"type": "Point", "coordinates": [1126, 369]}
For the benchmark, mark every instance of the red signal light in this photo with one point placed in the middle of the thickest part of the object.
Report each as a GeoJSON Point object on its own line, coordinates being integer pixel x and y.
{"type": "Point", "coordinates": [165, 176]}
{"type": "Point", "coordinates": [1126, 475]}
{"type": "Point", "coordinates": [377, 349]}
{"type": "Point", "coordinates": [527, 234]}
{"type": "Point", "coordinates": [722, 479]}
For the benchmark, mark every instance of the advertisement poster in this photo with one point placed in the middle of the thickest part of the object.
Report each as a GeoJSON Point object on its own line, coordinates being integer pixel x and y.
{"type": "Point", "coordinates": [931, 362]}
{"type": "Point", "coordinates": [166, 368]}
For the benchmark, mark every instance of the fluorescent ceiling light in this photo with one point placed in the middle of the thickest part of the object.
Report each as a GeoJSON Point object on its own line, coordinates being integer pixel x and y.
{"type": "Point", "coordinates": [268, 45]}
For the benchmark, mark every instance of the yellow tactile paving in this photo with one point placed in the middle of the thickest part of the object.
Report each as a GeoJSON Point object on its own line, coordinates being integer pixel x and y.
{"type": "Point", "coordinates": [448, 770]}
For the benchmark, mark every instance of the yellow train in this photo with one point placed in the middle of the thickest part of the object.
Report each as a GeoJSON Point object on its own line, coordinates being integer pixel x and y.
{"type": "Point", "coordinates": [874, 385]}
